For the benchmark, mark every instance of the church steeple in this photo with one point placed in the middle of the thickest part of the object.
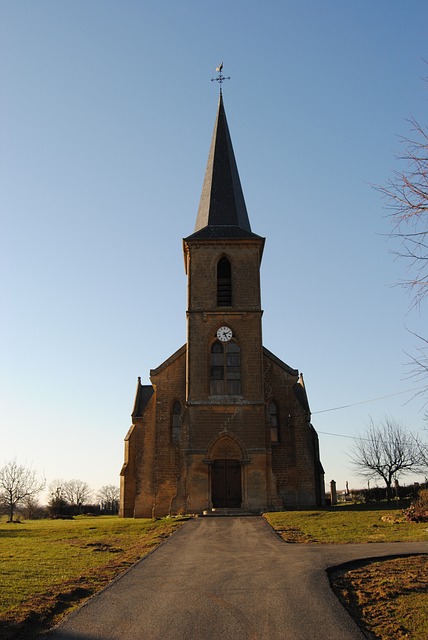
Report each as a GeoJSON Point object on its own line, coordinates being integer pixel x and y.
{"type": "Point", "coordinates": [224, 423]}
{"type": "Point", "coordinates": [222, 212]}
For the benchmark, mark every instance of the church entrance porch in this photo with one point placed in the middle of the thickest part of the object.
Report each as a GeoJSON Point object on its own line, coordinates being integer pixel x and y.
{"type": "Point", "coordinates": [226, 484]}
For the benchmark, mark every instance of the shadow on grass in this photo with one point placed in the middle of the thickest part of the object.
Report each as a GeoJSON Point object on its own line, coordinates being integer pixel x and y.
{"type": "Point", "coordinates": [371, 506]}
{"type": "Point", "coordinates": [12, 533]}
{"type": "Point", "coordinates": [12, 631]}
{"type": "Point", "coordinates": [36, 623]}
{"type": "Point", "coordinates": [394, 505]}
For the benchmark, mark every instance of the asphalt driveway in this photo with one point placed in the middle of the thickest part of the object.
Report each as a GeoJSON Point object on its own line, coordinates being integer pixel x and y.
{"type": "Point", "coordinates": [228, 578]}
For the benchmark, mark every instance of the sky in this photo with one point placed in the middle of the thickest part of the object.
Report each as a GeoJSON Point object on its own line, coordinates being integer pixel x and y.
{"type": "Point", "coordinates": [107, 112]}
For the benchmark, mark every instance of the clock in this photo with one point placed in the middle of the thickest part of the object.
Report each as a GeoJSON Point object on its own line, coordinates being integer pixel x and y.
{"type": "Point", "coordinates": [224, 334]}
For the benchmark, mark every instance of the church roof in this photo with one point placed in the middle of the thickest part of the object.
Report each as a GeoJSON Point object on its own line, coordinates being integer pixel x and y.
{"type": "Point", "coordinates": [168, 361]}
{"type": "Point", "coordinates": [222, 212]}
{"type": "Point", "coordinates": [280, 363]}
{"type": "Point", "coordinates": [142, 396]}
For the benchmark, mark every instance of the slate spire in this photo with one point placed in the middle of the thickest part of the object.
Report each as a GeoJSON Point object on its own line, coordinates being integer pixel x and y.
{"type": "Point", "coordinates": [222, 211]}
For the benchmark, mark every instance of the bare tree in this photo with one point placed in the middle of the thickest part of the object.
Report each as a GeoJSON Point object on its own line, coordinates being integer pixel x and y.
{"type": "Point", "coordinates": [57, 501]}
{"type": "Point", "coordinates": [56, 490]}
{"type": "Point", "coordinates": [417, 365]}
{"type": "Point", "coordinates": [76, 492]}
{"type": "Point", "coordinates": [109, 496]}
{"type": "Point", "coordinates": [386, 450]}
{"type": "Point", "coordinates": [406, 197]}
{"type": "Point", "coordinates": [17, 484]}
{"type": "Point", "coordinates": [423, 451]}
{"type": "Point", "coordinates": [32, 509]}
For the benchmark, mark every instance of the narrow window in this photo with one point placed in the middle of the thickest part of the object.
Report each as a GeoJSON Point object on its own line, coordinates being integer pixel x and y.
{"type": "Point", "coordinates": [225, 369]}
{"type": "Point", "coordinates": [233, 368]}
{"type": "Point", "coordinates": [224, 283]}
{"type": "Point", "coordinates": [217, 369]}
{"type": "Point", "coordinates": [273, 422]}
{"type": "Point", "coordinates": [176, 421]}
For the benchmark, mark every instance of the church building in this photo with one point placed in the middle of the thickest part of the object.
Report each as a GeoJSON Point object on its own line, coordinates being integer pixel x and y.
{"type": "Point", "coordinates": [225, 423]}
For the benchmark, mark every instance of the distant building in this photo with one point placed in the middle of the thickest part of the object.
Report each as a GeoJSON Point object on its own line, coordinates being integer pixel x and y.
{"type": "Point", "coordinates": [225, 423]}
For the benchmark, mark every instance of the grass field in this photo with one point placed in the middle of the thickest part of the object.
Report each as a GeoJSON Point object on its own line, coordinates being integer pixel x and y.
{"type": "Point", "coordinates": [344, 525]}
{"type": "Point", "coordinates": [48, 567]}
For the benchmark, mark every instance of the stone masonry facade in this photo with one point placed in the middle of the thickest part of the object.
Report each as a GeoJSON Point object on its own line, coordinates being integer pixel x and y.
{"type": "Point", "coordinates": [224, 423]}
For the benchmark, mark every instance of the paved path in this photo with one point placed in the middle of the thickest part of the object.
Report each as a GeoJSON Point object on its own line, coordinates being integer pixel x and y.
{"type": "Point", "coordinates": [226, 578]}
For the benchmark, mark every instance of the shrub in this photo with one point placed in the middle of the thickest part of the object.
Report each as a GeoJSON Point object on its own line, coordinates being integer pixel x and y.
{"type": "Point", "coordinates": [418, 510]}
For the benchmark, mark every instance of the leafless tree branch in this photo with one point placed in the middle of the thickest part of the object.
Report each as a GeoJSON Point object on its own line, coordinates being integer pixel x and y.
{"type": "Point", "coordinates": [386, 451]}
{"type": "Point", "coordinates": [406, 198]}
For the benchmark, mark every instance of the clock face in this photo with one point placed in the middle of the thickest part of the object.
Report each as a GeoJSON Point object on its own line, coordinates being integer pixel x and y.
{"type": "Point", "coordinates": [224, 334]}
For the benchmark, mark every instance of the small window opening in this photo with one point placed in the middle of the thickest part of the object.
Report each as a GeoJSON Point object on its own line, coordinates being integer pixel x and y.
{"type": "Point", "coordinates": [224, 283]}
{"type": "Point", "coordinates": [176, 421]}
{"type": "Point", "coordinates": [273, 422]}
{"type": "Point", "coordinates": [233, 368]}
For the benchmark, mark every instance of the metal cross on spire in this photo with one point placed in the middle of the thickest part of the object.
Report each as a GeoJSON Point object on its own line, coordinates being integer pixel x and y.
{"type": "Point", "coordinates": [220, 78]}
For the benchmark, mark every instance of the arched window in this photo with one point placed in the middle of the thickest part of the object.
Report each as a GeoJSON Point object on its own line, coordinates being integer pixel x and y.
{"type": "Point", "coordinates": [273, 422]}
{"type": "Point", "coordinates": [225, 369]}
{"type": "Point", "coordinates": [176, 421]}
{"type": "Point", "coordinates": [224, 283]}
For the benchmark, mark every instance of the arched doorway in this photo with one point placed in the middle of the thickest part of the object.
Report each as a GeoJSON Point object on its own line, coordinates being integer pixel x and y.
{"type": "Point", "coordinates": [226, 484]}
{"type": "Point", "coordinates": [226, 458]}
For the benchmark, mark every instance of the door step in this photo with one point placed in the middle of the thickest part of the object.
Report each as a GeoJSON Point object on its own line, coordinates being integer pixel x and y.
{"type": "Point", "coordinates": [226, 513]}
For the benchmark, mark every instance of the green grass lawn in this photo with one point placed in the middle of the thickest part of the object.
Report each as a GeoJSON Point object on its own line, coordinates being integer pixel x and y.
{"type": "Point", "coordinates": [343, 525]}
{"type": "Point", "coordinates": [49, 566]}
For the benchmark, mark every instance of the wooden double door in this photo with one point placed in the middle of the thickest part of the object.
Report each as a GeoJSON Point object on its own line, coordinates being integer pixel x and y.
{"type": "Point", "coordinates": [226, 484]}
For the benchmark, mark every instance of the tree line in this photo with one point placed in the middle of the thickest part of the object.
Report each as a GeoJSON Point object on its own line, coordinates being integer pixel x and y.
{"type": "Point", "coordinates": [73, 497]}
{"type": "Point", "coordinates": [20, 487]}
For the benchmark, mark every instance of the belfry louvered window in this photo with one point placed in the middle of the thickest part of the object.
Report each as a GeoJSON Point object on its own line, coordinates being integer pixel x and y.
{"type": "Point", "coordinates": [224, 283]}
{"type": "Point", "coordinates": [225, 369]}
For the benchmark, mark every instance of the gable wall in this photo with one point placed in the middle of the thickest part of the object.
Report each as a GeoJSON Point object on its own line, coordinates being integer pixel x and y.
{"type": "Point", "coordinates": [159, 464]}
{"type": "Point", "coordinates": [294, 461]}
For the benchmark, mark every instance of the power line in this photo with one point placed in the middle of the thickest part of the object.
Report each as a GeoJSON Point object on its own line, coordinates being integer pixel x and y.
{"type": "Point", "coordinates": [347, 406]}
{"type": "Point", "coordinates": [341, 435]}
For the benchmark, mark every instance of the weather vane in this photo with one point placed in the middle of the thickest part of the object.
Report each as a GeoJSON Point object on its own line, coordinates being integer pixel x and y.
{"type": "Point", "coordinates": [220, 78]}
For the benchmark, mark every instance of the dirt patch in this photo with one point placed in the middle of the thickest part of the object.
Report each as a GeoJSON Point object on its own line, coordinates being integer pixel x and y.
{"type": "Point", "coordinates": [294, 535]}
{"type": "Point", "coordinates": [101, 546]}
{"type": "Point", "coordinates": [388, 599]}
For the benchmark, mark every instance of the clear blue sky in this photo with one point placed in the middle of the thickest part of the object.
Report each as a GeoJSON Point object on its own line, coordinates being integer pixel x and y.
{"type": "Point", "coordinates": [107, 112]}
